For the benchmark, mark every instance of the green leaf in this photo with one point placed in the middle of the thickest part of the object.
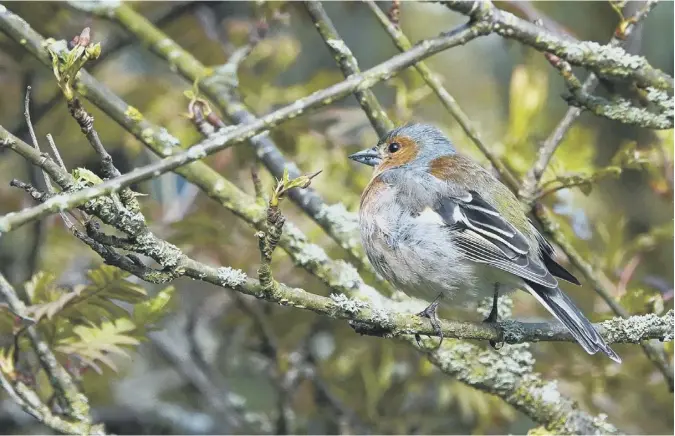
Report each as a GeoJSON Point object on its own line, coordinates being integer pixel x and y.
{"type": "Point", "coordinates": [98, 343]}
{"type": "Point", "coordinates": [151, 311]}
{"type": "Point", "coordinates": [93, 302]}
{"type": "Point", "coordinates": [39, 286]}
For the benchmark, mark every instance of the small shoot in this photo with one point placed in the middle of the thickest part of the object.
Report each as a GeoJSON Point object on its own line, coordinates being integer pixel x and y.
{"type": "Point", "coordinates": [67, 64]}
{"type": "Point", "coordinates": [286, 184]}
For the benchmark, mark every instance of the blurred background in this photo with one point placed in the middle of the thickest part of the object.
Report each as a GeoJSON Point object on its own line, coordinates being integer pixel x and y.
{"type": "Point", "coordinates": [309, 374]}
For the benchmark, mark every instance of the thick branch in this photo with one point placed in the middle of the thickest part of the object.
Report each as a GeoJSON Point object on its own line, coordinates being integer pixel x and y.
{"type": "Point", "coordinates": [605, 61]}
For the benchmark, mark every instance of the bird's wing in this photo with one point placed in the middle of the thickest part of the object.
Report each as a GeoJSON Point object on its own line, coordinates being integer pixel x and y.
{"type": "Point", "coordinates": [485, 236]}
{"type": "Point", "coordinates": [554, 267]}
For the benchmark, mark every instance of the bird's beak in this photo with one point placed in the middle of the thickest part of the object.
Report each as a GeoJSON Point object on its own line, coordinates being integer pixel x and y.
{"type": "Point", "coordinates": [370, 157]}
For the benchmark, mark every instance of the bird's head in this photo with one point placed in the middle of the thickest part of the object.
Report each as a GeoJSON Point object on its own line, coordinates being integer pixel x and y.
{"type": "Point", "coordinates": [411, 145]}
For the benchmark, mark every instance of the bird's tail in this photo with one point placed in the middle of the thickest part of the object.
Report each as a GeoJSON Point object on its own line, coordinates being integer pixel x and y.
{"type": "Point", "coordinates": [567, 312]}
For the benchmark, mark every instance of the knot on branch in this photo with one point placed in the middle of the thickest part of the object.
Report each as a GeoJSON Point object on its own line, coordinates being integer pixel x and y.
{"type": "Point", "coordinates": [83, 118]}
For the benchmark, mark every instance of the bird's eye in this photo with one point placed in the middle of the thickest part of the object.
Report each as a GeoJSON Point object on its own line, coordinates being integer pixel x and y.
{"type": "Point", "coordinates": [394, 147]}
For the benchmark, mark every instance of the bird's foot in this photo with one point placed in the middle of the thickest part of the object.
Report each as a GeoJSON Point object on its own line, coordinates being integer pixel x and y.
{"type": "Point", "coordinates": [430, 313]}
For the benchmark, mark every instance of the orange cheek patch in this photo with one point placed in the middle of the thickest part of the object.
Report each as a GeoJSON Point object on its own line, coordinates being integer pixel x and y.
{"type": "Point", "coordinates": [407, 153]}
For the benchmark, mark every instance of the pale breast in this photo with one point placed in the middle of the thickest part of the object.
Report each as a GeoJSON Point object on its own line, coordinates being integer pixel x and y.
{"type": "Point", "coordinates": [412, 248]}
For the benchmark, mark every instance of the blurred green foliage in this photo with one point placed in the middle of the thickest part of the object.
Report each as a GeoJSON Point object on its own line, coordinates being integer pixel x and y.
{"type": "Point", "coordinates": [511, 94]}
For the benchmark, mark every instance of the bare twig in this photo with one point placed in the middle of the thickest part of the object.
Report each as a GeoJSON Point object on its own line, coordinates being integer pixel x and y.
{"type": "Point", "coordinates": [33, 138]}
{"type": "Point", "coordinates": [444, 96]}
{"type": "Point", "coordinates": [349, 65]}
{"type": "Point", "coordinates": [550, 145]}
{"type": "Point", "coordinates": [220, 140]}
{"type": "Point", "coordinates": [627, 274]}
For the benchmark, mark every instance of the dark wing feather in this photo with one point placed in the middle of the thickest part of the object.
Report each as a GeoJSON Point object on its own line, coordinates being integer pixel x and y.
{"type": "Point", "coordinates": [476, 214]}
{"type": "Point", "coordinates": [554, 267]}
{"type": "Point", "coordinates": [484, 236]}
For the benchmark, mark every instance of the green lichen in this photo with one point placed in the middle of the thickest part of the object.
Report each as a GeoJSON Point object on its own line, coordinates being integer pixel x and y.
{"type": "Point", "coordinates": [133, 114]}
{"type": "Point", "coordinates": [148, 136]}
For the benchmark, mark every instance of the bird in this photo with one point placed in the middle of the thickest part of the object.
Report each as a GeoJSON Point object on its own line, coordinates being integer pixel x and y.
{"type": "Point", "coordinates": [440, 227]}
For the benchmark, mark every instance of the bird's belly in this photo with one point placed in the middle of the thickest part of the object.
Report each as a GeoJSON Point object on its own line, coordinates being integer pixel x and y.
{"type": "Point", "coordinates": [423, 262]}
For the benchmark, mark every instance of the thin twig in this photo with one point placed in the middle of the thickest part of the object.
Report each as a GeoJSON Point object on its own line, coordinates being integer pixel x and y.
{"type": "Point", "coordinates": [33, 137]}
{"type": "Point", "coordinates": [550, 145]}
{"type": "Point", "coordinates": [445, 97]}
{"type": "Point", "coordinates": [222, 140]}
{"type": "Point", "coordinates": [349, 65]}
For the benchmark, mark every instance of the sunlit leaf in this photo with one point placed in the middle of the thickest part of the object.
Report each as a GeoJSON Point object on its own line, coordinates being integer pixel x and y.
{"type": "Point", "coordinates": [98, 342]}
{"type": "Point", "coordinates": [152, 310]}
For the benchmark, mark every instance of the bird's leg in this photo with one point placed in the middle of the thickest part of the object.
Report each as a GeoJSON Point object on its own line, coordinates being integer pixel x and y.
{"type": "Point", "coordinates": [493, 318]}
{"type": "Point", "coordinates": [430, 313]}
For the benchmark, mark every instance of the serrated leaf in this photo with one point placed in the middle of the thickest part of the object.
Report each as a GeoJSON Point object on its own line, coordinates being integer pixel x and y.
{"type": "Point", "coordinates": [97, 343]}
{"type": "Point", "coordinates": [107, 283]}
{"type": "Point", "coordinates": [38, 287]}
{"type": "Point", "coordinates": [151, 311]}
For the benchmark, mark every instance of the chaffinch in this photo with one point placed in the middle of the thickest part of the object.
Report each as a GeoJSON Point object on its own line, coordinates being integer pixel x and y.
{"type": "Point", "coordinates": [439, 226]}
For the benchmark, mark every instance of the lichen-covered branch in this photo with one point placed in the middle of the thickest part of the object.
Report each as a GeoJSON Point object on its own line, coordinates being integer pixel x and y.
{"type": "Point", "coordinates": [30, 402]}
{"type": "Point", "coordinates": [605, 61]}
{"type": "Point", "coordinates": [349, 65]}
{"type": "Point", "coordinates": [369, 309]}
{"type": "Point", "coordinates": [601, 284]}
{"type": "Point", "coordinates": [395, 324]}
{"type": "Point", "coordinates": [16, 28]}
{"type": "Point", "coordinates": [609, 62]}
{"type": "Point", "coordinates": [509, 374]}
